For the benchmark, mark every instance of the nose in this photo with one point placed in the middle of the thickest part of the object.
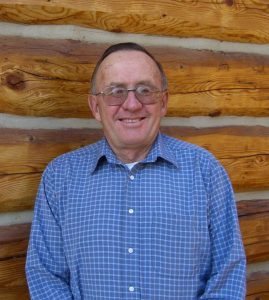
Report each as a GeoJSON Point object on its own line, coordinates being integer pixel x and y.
{"type": "Point", "coordinates": [132, 103]}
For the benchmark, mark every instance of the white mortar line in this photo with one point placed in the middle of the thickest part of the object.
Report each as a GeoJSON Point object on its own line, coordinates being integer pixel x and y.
{"type": "Point", "coordinates": [21, 217]}
{"type": "Point", "coordinates": [13, 218]}
{"type": "Point", "coordinates": [258, 267]}
{"type": "Point", "coordinates": [26, 122]}
{"type": "Point", "coordinates": [99, 36]}
{"type": "Point", "coordinates": [259, 195]}
{"type": "Point", "coordinates": [204, 122]}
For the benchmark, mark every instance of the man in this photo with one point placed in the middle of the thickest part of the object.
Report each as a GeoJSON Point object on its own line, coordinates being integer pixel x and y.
{"type": "Point", "coordinates": [137, 215]}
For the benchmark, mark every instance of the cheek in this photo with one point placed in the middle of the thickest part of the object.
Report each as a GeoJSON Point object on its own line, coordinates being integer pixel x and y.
{"type": "Point", "coordinates": [108, 114]}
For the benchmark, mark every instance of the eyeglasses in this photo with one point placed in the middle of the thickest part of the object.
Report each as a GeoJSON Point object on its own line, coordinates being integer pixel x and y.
{"type": "Point", "coordinates": [115, 95]}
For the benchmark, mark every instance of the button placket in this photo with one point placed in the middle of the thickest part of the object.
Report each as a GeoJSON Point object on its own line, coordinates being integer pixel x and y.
{"type": "Point", "coordinates": [131, 221]}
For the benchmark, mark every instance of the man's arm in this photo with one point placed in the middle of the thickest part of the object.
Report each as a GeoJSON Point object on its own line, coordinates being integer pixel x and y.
{"type": "Point", "coordinates": [46, 267]}
{"type": "Point", "coordinates": [227, 279]}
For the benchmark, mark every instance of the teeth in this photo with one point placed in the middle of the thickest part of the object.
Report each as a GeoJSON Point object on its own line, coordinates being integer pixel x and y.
{"type": "Point", "coordinates": [131, 120]}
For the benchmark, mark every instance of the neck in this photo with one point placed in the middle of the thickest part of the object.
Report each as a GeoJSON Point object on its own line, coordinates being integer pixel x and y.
{"type": "Point", "coordinates": [129, 155]}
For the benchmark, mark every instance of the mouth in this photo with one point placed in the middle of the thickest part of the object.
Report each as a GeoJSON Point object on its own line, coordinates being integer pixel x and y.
{"type": "Point", "coordinates": [131, 121]}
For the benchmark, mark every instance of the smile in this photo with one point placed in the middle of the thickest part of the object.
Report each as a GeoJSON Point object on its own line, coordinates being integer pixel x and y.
{"type": "Point", "coordinates": [131, 121]}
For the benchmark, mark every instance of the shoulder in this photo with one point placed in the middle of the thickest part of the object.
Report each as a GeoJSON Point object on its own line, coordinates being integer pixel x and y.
{"type": "Point", "coordinates": [76, 159]}
{"type": "Point", "coordinates": [180, 147]}
{"type": "Point", "coordinates": [192, 158]}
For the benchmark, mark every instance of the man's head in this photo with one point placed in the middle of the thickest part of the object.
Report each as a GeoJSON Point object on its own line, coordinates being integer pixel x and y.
{"type": "Point", "coordinates": [126, 47]}
{"type": "Point", "coordinates": [129, 96]}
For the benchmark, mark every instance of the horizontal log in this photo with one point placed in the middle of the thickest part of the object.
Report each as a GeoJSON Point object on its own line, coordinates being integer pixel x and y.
{"type": "Point", "coordinates": [223, 20]}
{"type": "Point", "coordinates": [254, 224]}
{"type": "Point", "coordinates": [13, 241]}
{"type": "Point", "coordinates": [17, 191]}
{"type": "Point", "coordinates": [14, 238]}
{"type": "Point", "coordinates": [258, 286]}
{"type": "Point", "coordinates": [51, 78]}
{"type": "Point", "coordinates": [243, 151]}
{"type": "Point", "coordinates": [12, 279]}
{"type": "Point", "coordinates": [257, 283]}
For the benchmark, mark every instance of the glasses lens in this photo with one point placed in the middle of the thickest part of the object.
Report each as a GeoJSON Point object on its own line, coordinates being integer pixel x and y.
{"type": "Point", "coordinates": [115, 95]}
{"type": "Point", "coordinates": [147, 95]}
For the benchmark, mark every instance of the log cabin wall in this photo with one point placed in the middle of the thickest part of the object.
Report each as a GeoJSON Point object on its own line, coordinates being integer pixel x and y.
{"type": "Point", "coordinates": [216, 56]}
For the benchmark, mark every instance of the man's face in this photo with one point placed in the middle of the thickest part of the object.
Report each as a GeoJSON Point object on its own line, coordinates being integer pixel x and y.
{"type": "Point", "coordinates": [131, 125]}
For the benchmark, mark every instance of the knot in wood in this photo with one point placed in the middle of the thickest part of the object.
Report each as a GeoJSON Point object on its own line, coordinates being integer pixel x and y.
{"type": "Point", "coordinates": [229, 2]}
{"type": "Point", "coordinates": [15, 81]}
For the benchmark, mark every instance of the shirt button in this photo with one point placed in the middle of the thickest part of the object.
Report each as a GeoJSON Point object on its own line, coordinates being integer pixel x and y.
{"type": "Point", "coordinates": [131, 288]}
{"type": "Point", "coordinates": [132, 177]}
{"type": "Point", "coordinates": [131, 211]}
{"type": "Point", "coordinates": [130, 250]}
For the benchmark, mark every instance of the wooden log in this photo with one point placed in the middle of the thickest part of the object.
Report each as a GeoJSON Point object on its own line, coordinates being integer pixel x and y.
{"type": "Point", "coordinates": [258, 286]}
{"type": "Point", "coordinates": [224, 20]}
{"type": "Point", "coordinates": [257, 283]}
{"type": "Point", "coordinates": [17, 191]}
{"type": "Point", "coordinates": [244, 152]}
{"type": "Point", "coordinates": [12, 279]}
{"type": "Point", "coordinates": [13, 240]}
{"type": "Point", "coordinates": [254, 224]}
{"type": "Point", "coordinates": [51, 78]}
{"type": "Point", "coordinates": [13, 247]}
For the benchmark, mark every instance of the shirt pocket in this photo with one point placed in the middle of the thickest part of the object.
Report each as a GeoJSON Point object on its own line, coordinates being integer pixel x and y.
{"type": "Point", "coordinates": [174, 244]}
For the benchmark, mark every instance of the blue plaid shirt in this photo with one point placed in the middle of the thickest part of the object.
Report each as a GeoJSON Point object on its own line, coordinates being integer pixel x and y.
{"type": "Point", "coordinates": [165, 230]}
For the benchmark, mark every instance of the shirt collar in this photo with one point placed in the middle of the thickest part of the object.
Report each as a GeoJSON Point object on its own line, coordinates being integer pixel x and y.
{"type": "Point", "coordinates": [159, 149]}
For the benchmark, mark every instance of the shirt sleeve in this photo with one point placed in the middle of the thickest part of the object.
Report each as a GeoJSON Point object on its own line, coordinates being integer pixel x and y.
{"type": "Point", "coordinates": [227, 278]}
{"type": "Point", "coordinates": [47, 270]}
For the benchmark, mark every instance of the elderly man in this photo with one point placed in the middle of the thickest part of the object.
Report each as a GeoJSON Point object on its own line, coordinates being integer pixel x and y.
{"type": "Point", "coordinates": [137, 215]}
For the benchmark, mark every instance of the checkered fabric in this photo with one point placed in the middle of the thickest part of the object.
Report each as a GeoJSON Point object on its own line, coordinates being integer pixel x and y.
{"type": "Point", "coordinates": [165, 230]}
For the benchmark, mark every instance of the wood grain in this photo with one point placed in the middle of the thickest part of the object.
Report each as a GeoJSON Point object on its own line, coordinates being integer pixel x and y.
{"type": "Point", "coordinates": [14, 239]}
{"type": "Point", "coordinates": [51, 78]}
{"type": "Point", "coordinates": [224, 20]}
{"type": "Point", "coordinates": [254, 224]}
{"type": "Point", "coordinates": [258, 286]}
{"type": "Point", "coordinates": [243, 151]}
{"type": "Point", "coordinates": [12, 279]}
{"type": "Point", "coordinates": [17, 191]}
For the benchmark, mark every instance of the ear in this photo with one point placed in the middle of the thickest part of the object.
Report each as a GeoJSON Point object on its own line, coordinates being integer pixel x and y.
{"type": "Point", "coordinates": [164, 103]}
{"type": "Point", "coordinates": [94, 106]}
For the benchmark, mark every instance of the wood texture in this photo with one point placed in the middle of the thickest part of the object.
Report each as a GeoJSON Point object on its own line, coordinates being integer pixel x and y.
{"type": "Point", "coordinates": [258, 286]}
{"type": "Point", "coordinates": [244, 152]}
{"type": "Point", "coordinates": [13, 241]}
{"type": "Point", "coordinates": [223, 20]}
{"type": "Point", "coordinates": [12, 279]}
{"type": "Point", "coordinates": [51, 78]}
{"type": "Point", "coordinates": [253, 216]}
{"type": "Point", "coordinates": [254, 224]}
{"type": "Point", "coordinates": [13, 247]}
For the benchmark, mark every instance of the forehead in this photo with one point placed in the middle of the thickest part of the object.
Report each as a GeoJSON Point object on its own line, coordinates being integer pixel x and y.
{"type": "Point", "coordinates": [128, 66]}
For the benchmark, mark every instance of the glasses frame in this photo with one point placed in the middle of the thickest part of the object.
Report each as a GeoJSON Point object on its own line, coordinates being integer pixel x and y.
{"type": "Point", "coordinates": [137, 95]}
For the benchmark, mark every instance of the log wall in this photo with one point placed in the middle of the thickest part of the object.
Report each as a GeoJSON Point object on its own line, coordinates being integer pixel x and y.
{"type": "Point", "coordinates": [48, 79]}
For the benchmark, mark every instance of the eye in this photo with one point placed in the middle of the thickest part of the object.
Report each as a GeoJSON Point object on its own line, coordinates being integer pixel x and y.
{"type": "Point", "coordinates": [117, 91]}
{"type": "Point", "coordinates": [144, 90]}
